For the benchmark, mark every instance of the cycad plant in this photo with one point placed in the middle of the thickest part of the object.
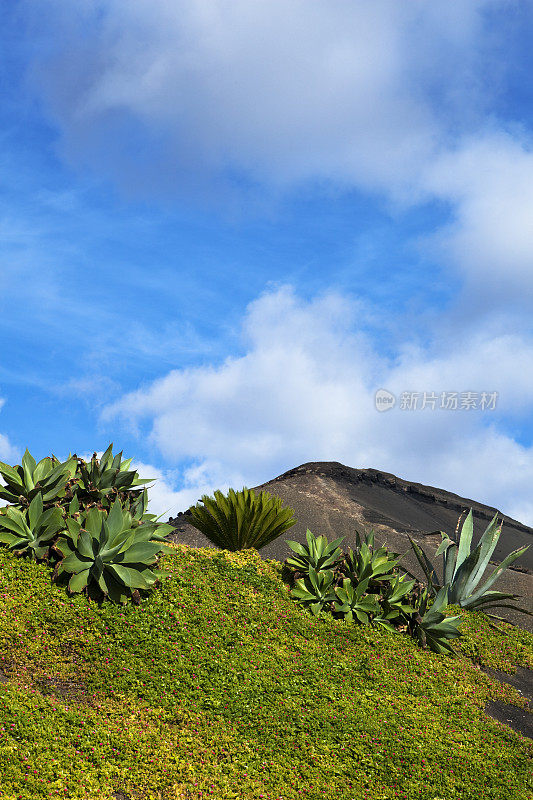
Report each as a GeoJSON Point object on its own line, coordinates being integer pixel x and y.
{"type": "Point", "coordinates": [241, 520]}
{"type": "Point", "coordinates": [463, 569]}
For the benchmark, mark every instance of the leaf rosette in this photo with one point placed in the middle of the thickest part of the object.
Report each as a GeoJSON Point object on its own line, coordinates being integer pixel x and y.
{"type": "Point", "coordinates": [109, 555]}
{"type": "Point", "coordinates": [241, 520]}
{"type": "Point", "coordinates": [463, 570]}
{"type": "Point", "coordinates": [24, 481]}
{"type": "Point", "coordinates": [29, 532]}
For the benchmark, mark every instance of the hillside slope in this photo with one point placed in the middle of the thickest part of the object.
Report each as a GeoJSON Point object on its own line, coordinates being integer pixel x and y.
{"type": "Point", "coordinates": [218, 684]}
{"type": "Point", "coordinates": [332, 499]}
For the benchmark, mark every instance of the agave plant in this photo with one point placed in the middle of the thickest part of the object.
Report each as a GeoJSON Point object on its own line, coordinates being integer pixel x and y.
{"type": "Point", "coordinates": [25, 481]}
{"type": "Point", "coordinates": [241, 520]}
{"type": "Point", "coordinates": [107, 553]}
{"type": "Point", "coordinates": [318, 554]}
{"type": "Point", "coordinates": [395, 598]}
{"type": "Point", "coordinates": [385, 620]}
{"type": "Point", "coordinates": [135, 512]}
{"type": "Point", "coordinates": [464, 569]}
{"type": "Point", "coordinates": [137, 509]}
{"type": "Point", "coordinates": [430, 626]}
{"type": "Point", "coordinates": [151, 530]}
{"type": "Point", "coordinates": [109, 476]}
{"type": "Point", "coordinates": [353, 604]}
{"type": "Point", "coordinates": [398, 602]}
{"type": "Point", "coordinates": [316, 590]}
{"type": "Point", "coordinates": [30, 532]}
{"type": "Point", "coordinates": [364, 563]}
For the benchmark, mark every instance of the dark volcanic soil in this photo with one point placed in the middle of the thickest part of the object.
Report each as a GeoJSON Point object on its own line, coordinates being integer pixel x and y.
{"type": "Point", "coordinates": [334, 500]}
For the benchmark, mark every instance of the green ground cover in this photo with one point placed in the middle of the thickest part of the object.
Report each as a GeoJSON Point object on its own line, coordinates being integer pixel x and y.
{"type": "Point", "coordinates": [220, 685]}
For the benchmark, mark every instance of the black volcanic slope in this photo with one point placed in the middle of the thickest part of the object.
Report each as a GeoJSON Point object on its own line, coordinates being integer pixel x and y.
{"type": "Point", "coordinates": [334, 500]}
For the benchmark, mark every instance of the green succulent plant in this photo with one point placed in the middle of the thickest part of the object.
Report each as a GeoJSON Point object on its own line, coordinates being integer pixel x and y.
{"type": "Point", "coordinates": [398, 601]}
{"type": "Point", "coordinates": [394, 603]}
{"type": "Point", "coordinates": [430, 626]}
{"type": "Point", "coordinates": [318, 554]}
{"type": "Point", "coordinates": [385, 620]}
{"type": "Point", "coordinates": [353, 603]}
{"type": "Point", "coordinates": [106, 478]}
{"type": "Point", "coordinates": [109, 555]}
{"type": "Point", "coordinates": [463, 569]}
{"type": "Point", "coordinates": [396, 597]}
{"type": "Point", "coordinates": [316, 590]}
{"type": "Point", "coordinates": [30, 532]}
{"type": "Point", "coordinates": [149, 528]}
{"type": "Point", "coordinates": [241, 520]}
{"type": "Point", "coordinates": [48, 478]}
{"type": "Point", "coordinates": [363, 562]}
{"type": "Point", "coordinates": [137, 509]}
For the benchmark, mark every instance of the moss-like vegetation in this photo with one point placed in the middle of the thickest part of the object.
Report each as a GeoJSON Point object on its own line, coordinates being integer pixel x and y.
{"type": "Point", "coordinates": [219, 685]}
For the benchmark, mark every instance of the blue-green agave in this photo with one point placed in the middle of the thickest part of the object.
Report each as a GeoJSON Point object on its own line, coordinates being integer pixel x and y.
{"type": "Point", "coordinates": [463, 569]}
{"type": "Point", "coordinates": [137, 509]}
{"type": "Point", "coordinates": [106, 477]}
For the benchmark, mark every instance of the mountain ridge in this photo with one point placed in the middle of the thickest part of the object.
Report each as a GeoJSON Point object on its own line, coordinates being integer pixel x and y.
{"type": "Point", "coordinates": [425, 492]}
{"type": "Point", "coordinates": [393, 481]}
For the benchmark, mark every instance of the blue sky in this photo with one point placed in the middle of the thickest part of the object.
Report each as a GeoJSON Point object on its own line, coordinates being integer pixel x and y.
{"type": "Point", "coordinates": [225, 225]}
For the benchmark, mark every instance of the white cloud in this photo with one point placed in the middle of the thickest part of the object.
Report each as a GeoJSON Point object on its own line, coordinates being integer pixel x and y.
{"type": "Point", "coordinates": [195, 481]}
{"type": "Point", "coordinates": [8, 453]}
{"type": "Point", "coordinates": [381, 96]}
{"type": "Point", "coordinates": [296, 354]}
{"type": "Point", "coordinates": [304, 391]}
{"type": "Point", "coordinates": [479, 362]}
{"type": "Point", "coordinates": [397, 99]}
{"type": "Point", "coordinates": [157, 92]}
{"type": "Point", "coordinates": [91, 390]}
{"type": "Point", "coordinates": [488, 180]}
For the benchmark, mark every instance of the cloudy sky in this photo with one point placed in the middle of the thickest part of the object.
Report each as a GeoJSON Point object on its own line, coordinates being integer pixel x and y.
{"type": "Point", "coordinates": [226, 224]}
